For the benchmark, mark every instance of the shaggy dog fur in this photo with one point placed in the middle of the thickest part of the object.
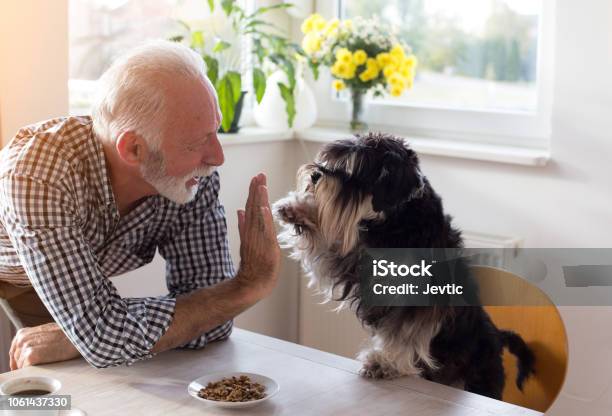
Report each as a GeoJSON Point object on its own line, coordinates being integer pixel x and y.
{"type": "Point", "coordinates": [368, 192]}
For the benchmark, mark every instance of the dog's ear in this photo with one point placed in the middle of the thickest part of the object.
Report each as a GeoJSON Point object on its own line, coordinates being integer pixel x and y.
{"type": "Point", "coordinates": [340, 215]}
{"type": "Point", "coordinates": [399, 180]}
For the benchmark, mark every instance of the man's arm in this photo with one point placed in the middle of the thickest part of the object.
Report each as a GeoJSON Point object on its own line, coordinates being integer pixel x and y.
{"type": "Point", "coordinates": [43, 225]}
{"type": "Point", "coordinates": [194, 313]}
{"type": "Point", "coordinates": [196, 251]}
{"type": "Point", "coordinates": [206, 308]}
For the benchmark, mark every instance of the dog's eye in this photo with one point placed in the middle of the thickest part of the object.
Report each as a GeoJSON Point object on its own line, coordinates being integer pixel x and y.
{"type": "Point", "coordinates": [299, 229]}
{"type": "Point", "coordinates": [315, 176]}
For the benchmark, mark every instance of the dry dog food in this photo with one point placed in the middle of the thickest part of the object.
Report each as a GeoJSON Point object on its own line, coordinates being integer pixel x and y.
{"type": "Point", "coordinates": [233, 389]}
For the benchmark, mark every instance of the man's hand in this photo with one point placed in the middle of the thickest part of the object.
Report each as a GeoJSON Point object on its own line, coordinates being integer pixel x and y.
{"type": "Point", "coordinates": [259, 249]}
{"type": "Point", "coordinates": [40, 344]}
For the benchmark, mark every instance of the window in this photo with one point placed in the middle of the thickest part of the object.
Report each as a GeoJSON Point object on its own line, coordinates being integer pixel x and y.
{"type": "Point", "coordinates": [485, 68]}
{"type": "Point", "coordinates": [102, 29]}
{"type": "Point", "coordinates": [482, 57]}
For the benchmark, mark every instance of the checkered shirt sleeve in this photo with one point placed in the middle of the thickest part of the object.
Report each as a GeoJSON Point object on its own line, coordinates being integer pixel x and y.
{"type": "Point", "coordinates": [197, 252]}
{"type": "Point", "coordinates": [44, 228]}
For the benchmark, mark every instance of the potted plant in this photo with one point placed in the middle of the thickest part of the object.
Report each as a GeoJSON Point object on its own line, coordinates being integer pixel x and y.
{"type": "Point", "coordinates": [269, 49]}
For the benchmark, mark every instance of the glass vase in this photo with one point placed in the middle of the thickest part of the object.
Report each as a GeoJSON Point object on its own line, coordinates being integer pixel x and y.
{"type": "Point", "coordinates": [357, 106]}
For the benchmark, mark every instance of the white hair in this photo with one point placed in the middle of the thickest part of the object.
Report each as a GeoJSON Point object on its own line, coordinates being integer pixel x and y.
{"type": "Point", "coordinates": [131, 95]}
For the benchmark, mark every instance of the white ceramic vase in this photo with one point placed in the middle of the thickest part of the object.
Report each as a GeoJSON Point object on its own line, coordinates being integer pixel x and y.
{"type": "Point", "coordinates": [271, 113]}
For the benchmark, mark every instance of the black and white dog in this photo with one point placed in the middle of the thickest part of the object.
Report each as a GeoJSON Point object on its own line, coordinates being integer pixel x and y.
{"type": "Point", "coordinates": [368, 192]}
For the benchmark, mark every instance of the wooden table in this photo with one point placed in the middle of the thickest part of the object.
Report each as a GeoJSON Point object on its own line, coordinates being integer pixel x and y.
{"type": "Point", "coordinates": [311, 382]}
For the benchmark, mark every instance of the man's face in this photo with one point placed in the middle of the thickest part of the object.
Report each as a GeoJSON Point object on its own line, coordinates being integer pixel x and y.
{"type": "Point", "coordinates": [190, 148]}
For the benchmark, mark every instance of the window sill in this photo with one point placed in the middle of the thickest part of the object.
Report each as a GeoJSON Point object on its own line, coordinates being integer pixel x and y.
{"type": "Point", "coordinates": [252, 135]}
{"type": "Point", "coordinates": [516, 155]}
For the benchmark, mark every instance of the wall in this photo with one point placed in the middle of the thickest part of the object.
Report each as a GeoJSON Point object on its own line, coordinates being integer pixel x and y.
{"type": "Point", "coordinates": [33, 78]}
{"type": "Point", "coordinates": [34, 56]}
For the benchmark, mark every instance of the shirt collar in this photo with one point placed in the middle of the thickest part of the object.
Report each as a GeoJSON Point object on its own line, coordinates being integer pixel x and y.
{"type": "Point", "coordinates": [101, 172]}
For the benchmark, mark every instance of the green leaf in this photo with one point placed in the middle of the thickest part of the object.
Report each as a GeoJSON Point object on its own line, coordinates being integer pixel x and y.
{"type": "Point", "coordinates": [298, 49]}
{"type": "Point", "coordinates": [314, 67]}
{"type": "Point", "coordinates": [259, 50]}
{"type": "Point", "coordinates": [235, 79]}
{"type": "Point", "coordinates": [221, 45]}
{"type": "Point", "coordinates": [226, 102]}
{"type": "Point", "coordinates": [197, 39]}
{"type": "Point", "coordinates": [211, 5]}
{"type": "Point", "coordinates": [262, 10]}
{"type": "Point", "coordinates": [184, 24]}
{"type": "Point", "coordinates": [212, 68]}
{"type": "Point", "coordinates": [290, 71]}
{"type": "Point", "coordinates": [259, 83]}
{"type": "Point", "coordinates": [278, 43]}
{"type": "Point", "coordinates": [287, 94]}
{"type": "Point", "coordinates": [227, 6]}
{"type": "Point", "coordinates": [257, 22]}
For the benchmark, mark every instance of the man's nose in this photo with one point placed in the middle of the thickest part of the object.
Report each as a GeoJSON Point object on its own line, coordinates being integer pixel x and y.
{"type": "Point", "coordinates": [213, 153]}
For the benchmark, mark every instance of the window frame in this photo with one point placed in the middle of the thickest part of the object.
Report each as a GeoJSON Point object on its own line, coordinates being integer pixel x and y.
{"type": "Point", "coordinates": [502, 127]}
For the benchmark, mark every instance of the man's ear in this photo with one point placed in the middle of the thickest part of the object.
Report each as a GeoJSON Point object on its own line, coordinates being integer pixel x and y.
{"type": "Point", "coordinates": [131, 148]}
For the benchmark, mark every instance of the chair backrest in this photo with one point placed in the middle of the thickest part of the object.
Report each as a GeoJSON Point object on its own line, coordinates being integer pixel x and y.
{"type": "Point", "coordinates": [537, 320]}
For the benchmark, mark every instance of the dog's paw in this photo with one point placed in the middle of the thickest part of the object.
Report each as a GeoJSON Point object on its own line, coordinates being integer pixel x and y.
{"type": "Point", "coordinates": [375, 370]}
{"type": "Point", "coordinates": [285, 213]}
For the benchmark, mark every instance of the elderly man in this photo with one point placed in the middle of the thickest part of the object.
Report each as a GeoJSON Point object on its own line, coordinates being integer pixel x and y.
{"type": "Point", "coordinates": [86, 198]}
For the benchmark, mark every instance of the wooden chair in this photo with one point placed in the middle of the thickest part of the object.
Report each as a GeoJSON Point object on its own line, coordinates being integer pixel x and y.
{"type": "Point", "coordinates": [539, 324]}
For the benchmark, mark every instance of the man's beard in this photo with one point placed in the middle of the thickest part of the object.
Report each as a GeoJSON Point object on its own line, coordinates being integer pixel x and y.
{"type": "Point", "coordinates": [173, 188]}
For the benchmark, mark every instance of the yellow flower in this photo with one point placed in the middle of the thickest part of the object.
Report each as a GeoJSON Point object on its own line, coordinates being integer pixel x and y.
{"type": "Point", "coordinates": [331, 28]}
{"type": "Point", "coordinates": [307, 26]}
{"type": "Point", "coordinates": [338, 85]}
{"type": "Point", "coordinates": [394, 61]}
{"type": "Point", "coordinates": [388, 71]}
{"type": "Point", "coordinates": [312, 43]}
{"type": "Point", "coordinates": [372, 65]}
{"type": "Point", "coordinates": [397, 51]}
{"type": "Point", "coordinates": [410, 61]}
{"type": "Point", "coordinates": [344, 55]}
{"type": "Point", "coordinates": [343, 70]}
{"type": "Point", "coordinates": [313, 22]}
{"type": "Point", "coordinates": [359, 57]}
{"type": "Point", "coordinates": [371, 71]}
{"type": "Point", "coordinates": [383, 59]}
{"type": "Point", "coordinates": [367, 75]}
{"type": "Point", "coordinates": [396, 80]}
{"type": "Point", "coordinates": [348, 24]}
{"type": "Point", "coordinates": [350, 71]}
{"type": "Point", "coordinates": [396, 91]}
{"type": "Point", "coordinates": [406, 72]}
{"type": "Point", "coordinates": [337, 68]}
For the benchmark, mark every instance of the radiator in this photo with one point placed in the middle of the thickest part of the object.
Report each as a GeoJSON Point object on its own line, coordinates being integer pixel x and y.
{"type": "Point", "coordinates": [481, 240]}
{"type": "Point", "coordinates": [494, 258]}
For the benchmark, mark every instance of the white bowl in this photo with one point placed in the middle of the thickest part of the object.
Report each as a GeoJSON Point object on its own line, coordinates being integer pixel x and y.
{"type": "Point", "coordinates": [196, 385]}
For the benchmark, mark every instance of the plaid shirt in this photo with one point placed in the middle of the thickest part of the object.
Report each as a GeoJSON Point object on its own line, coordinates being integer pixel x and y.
{"type": "Point", "coordinates": [60, 224]}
